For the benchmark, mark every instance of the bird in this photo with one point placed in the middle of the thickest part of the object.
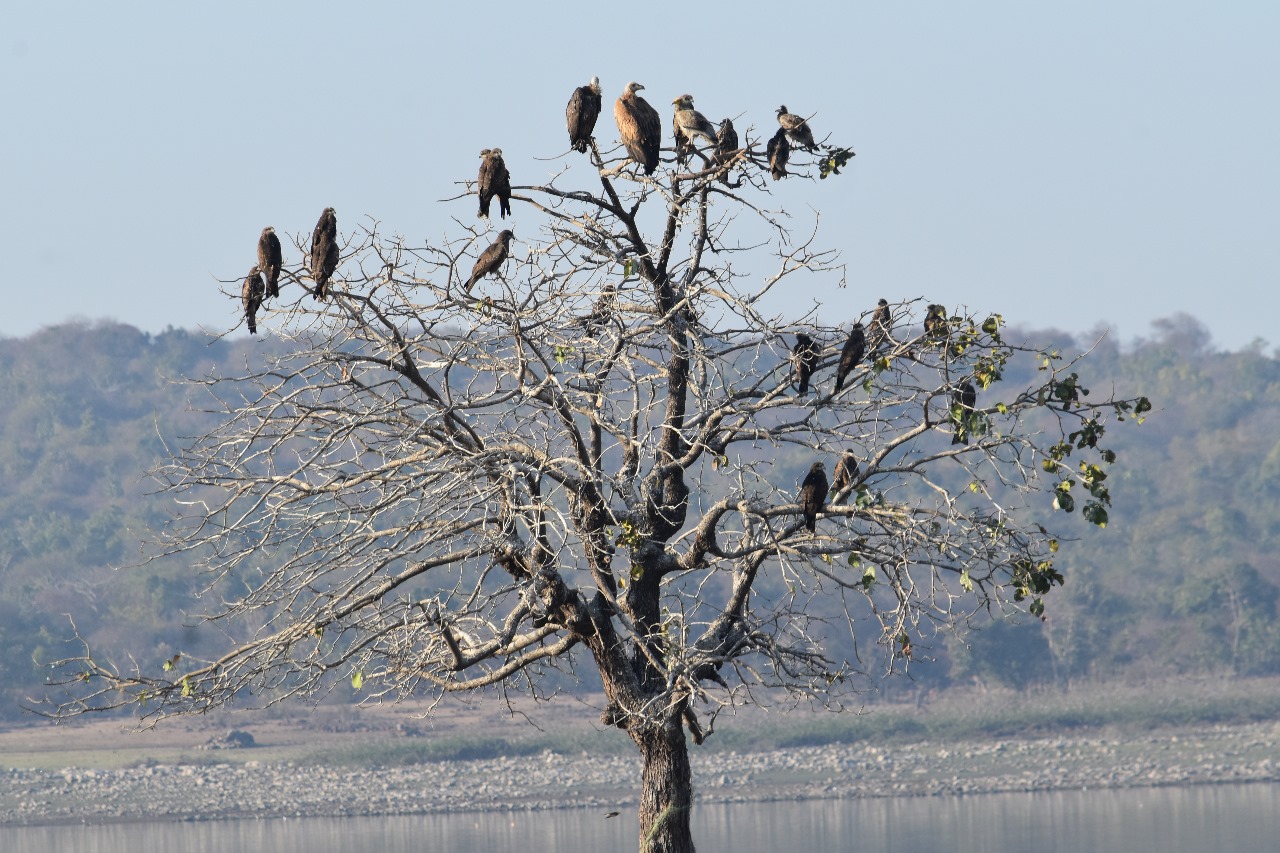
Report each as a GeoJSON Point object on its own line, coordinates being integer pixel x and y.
{"type": "Point", "coordinates": [813, 493]}
{"type": "Point", "coordinates": [689, 124]}
{"type": "Point", "coordinates": [881, 323]}
{"type": "Point", "coordinates": [639, 126]}
{"type": "Point", "coordinates": [491, 259]}
{"type": "Point", "coordinates": [964, 397]}
{"type": "Point", "coordinates": [935, 322]}
{"type": "Point", "coordinates": [324, 251]}
{"type": "Point", "coordinates": [804, 356]}
{"type": "Point", "coordinates": [269, 260]}
{"type": "Point", "coordinates": [581, 114]}
{"type": "Point", "coordinates": [854, 349]}
{"type": "Point", "coordinates": [846, 471]}
{"type": "Point", "coordinates": [493, 180]}
{"type": "Point", "coordinates": [600, 311]}
{"type": "Point", "coordinates": [726, 146]}
{"type": "Point", "coordinates": [251, 296]}
{"type": "Point", "coordinates": [779, 151]}
{"type": "Point", "coordinates": [797, 129]}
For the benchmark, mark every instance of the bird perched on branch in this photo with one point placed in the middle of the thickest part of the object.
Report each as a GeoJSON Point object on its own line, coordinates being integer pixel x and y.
{"type": "Point", "coordinates": [779, 151]}
{"type": "Point", "coordinates": [846, 471]}
{"type": "Point", "coordinates": [797, 129]}
{"type": "Point", "coordinates": [251, 296]}
{"type": "Point", "coordinates": [881, 323]}
{"type": "Point", "coordinates": [639, 126]}
{"type": "Point", "coordinates": [324, 252]}
{"type": "Point", "coordinates": [726, 146]}
{"type": "Point", "coordinates": [581, 114]}
{"type": "Point", "coordinates": [493, 180]}
{"type": "Point", "coordinates": [491, 259]}
{"type": "Point", "coordinates": [935, 322]}
{"type": "Point", "coordinates": [689, 124]}
{"type": "Point", "coordinates": [804, 356]}
{"type": "Point", "coordinates": [854, 348]}
{"type": "Point", "coordinates": [270, 260]}
{"type": "Point", "coordinates": [964, 397]}
{"type": "Point", "coordinates": [601, 311]}
{"type": "Point", "coordinates": [813, 494]}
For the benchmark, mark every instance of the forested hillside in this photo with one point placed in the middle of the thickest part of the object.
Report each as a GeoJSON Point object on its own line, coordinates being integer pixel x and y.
{"type": "Point", "coordinates": [1183, 578]}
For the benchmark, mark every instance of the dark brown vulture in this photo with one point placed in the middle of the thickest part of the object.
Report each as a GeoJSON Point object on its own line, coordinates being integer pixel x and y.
{"type": "Point", "coordinates": [813, 494]}
{"type": "Point", "coordinates": [581, 114]}
{"type": "Point", "coordinates": [963, 400]}
{"type": "Point", "coordinates": [639, 126]}
{"type": "Point", "coordinates": [491, 259]}
{"type": "Point", "coordinates": [324, 252]}
{"type": "Point", "coordinates": [846, 471]}
{"type": "Point", "coordinates": [854, 349]}
{"type": "Point", "coordinates": [251, 295]}
{"type": "Point", "coordinates": [269, 260]}
{"type": "Point", "coordinates": [601, 311]}
{"type": "Point", "coordinates": [726, 146]}
{"type": "Point", "coordinates": [688, 124]}
{"type": "Point", "coordinates": [804, 357]}
{"type": "Point", "coordinates": [935, 322]}
{"type": "Point", "coordinates": [779, 151]}
{"type": "Point", "coordinates": [493, 180]}
{"type": "Point", "coordinates": [797, 129]}
{"type": "Point", "coordinates": [881, 323]}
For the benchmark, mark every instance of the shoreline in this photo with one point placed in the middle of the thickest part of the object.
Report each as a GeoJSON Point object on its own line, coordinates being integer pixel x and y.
{"type": "Point", "coordinates": [253, 789]}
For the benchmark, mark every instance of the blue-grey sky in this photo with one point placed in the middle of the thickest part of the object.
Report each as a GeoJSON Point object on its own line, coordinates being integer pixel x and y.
{"type": "Point", "coordinates": [1068, 165]}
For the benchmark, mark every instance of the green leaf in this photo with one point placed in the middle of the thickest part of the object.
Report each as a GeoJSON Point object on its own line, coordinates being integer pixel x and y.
{"type": "Point", "coordinates": [869, 577]}
{"type": "Point", "coordinates": [357, 679]}
{"type": "Point", "coordinates": [966, 582]}
{"type": "Point", "coordinates": [1053, 546]}
{"type": "Point", "coordinates": [1002, 408]}
{"type": "Point", "coordinates": [628, 268]}
{"type": "Point", "coordinates": [186, 686]}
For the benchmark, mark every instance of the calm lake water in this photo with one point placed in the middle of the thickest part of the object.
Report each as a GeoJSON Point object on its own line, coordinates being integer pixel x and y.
{"type": "Point", "coordinates": [1217, 818]}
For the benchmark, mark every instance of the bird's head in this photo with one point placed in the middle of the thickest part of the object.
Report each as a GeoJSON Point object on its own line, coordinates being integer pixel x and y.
{"type": "Point", "coordinates": [496, 152]}
{"type": "Point", "coordinates": [595, 85]}
{"type": "Point", "coordinates": [782, 110]}
{"type": "Point", "coordinates": [633, 87]}
{"type": "Point", "coordinates": [268, 230]}
{"type": "Point", "coordinates": [485, 152]}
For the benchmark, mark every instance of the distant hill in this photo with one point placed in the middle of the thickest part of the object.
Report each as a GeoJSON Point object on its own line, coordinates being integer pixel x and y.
{"type": "Point", "coordinates": [1183, 580]}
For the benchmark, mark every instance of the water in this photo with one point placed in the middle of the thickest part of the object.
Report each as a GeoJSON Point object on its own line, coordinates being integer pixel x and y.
{"type": "Point", "coordinates": [1167, 820]}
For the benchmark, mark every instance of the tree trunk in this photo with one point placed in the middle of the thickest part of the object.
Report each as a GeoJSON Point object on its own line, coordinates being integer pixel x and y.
{"type": "Point", "coordinates": [667, 788]}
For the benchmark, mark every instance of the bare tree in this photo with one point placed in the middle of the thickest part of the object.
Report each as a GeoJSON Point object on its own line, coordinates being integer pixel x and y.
{"type": "Point", "coordinates": [595, 455]}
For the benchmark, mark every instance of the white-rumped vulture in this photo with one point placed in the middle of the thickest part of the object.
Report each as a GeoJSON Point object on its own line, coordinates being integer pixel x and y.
{"type": "Point", "coordinates": [779, 151]}
{"type": "Point", "coordinates": [813, 494]}
{"type": "Point", "coordinates": [797, 129]}
{"type": "Point", "coordinates": [493, 180]}
{"type": "Point", "coordinates": [251, 296]}
{"type": "Point", "coordinates": [726, 146]}
{"type": "Point", "coordinates": [270, 260]}
{"type": "Point", "coordinates": [324, 252]}
{"type": "Point", "coordinates": [639, 126]}
{"type": "Point", "coordinates": [491, 259]}
{"type": "Point", "coordinates": [581, 114]}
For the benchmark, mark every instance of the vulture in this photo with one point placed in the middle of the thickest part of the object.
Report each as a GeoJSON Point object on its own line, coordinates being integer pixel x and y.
{"type": "Point", "coordinates": [935, 322]}
{"type": "Point", "coordinates": [726, 146]}
{"type": "Point", "coordinates": [689, 124]}
{"type": "Point", "coordinates": [964, 397]}
{"type": "Point", "coordinates": [779, 151]}
{"type": "Point", "coordinates": [581, 114]}
{"type": "Point", "coordinates": [881, 323]}
{"type": "Point", "coordinates": [796, 128]}
{"type": "Point", "coordinates": [494, 179]}
{"type": "Point", "coordinates": [600, 311]}
{"type": "Point", "coordinates": [269, 260]}
{"type": "Point", "coordinates": [491, 259]}
{"type": "Point", "coordinates": [854, 349]}
{"type": "Point", "coordinates": [846, 471]}
{"type": "Point", "coordinates": [324, 251]}
{"type": "Point", "coordinates": [813, 493]}
{"type": "Point", "coordinates": [251, 295]}
{"type": "Point", "coordinates": [805, 358]}
{"type": "Point", "coordinates": [639, 126]}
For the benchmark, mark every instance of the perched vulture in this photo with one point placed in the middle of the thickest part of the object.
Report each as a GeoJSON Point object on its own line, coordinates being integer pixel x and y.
{"type": "Point", "coordinates": [779, 151]}
{"type": "Point", "coordinates": [689, 124]}
{"type": "Point", "coordinates": [846, 471]}
{"type": "Point", "coordinates": [854, 349]}
{"type": "Point", "coordinates": [804, 356]}
{"type": "Point", "coordinates": [251, 295]}
{"type": "Point", "coordinates": [581, 114]}
{"type": "Point", "coordinates": [796, 128]}
{"type": "Point", "coordinates": [269, 260]}
{"type": "Point", "coordinates": [813, 493]}
{"type": "Point", "coordinates": [726, 146]}
{"type": "Point", "coordinates": [935, 322]}
{"type": "Point", "coordinates": [639, 126]}
{"type": "Point", "coordinates": [494, 179]}
{"type": "Point", "coordinates": [491, 259]}
{"type": "Point", "coordinates": [601, 311]}
{"type": "Point", "coordinates": [881, 323]}
{"type": "Point", "coordinates": [965, 398]}
{"type": "Point", "coordinates": [324, 251]}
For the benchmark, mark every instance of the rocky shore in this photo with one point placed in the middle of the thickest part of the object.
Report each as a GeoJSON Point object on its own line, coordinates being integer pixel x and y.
{"type": "Point", "coordinates": [207, 791]}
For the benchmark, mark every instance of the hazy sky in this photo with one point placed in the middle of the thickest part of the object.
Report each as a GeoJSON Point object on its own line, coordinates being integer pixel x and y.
{"type": "Point", "coordinates": [1068, 165]}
